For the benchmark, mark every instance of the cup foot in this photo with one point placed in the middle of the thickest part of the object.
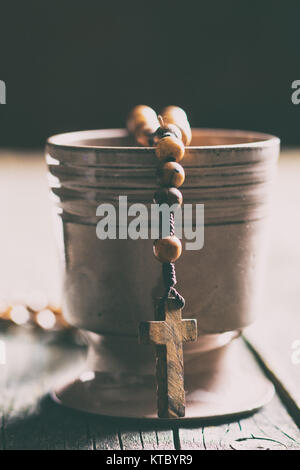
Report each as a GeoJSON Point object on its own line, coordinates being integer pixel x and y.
{"type": "Point", "coordinates": [225, 382]}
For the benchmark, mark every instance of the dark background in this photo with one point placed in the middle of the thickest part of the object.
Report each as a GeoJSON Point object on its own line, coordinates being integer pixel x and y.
{"type": "Point", "coordinates": [72, 65]}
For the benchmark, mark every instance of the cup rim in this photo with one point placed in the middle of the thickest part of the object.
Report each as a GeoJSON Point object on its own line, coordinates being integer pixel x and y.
{"type": "Point", "coordinates": [67, 140]}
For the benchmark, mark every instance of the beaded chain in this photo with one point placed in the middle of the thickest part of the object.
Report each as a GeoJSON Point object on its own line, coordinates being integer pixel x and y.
{"type": "Point", "coordinates": [169, 133]}
{"type": "Point", "coordinates": [33, 309]}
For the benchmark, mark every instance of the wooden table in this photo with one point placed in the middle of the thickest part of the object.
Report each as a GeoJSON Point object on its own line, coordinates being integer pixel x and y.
{"type": "Point", "coordinates": [35, 362]}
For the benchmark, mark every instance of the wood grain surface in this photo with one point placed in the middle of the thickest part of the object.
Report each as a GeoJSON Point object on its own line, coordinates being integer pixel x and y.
{"type": "Point", "coordinates": [31, 420]}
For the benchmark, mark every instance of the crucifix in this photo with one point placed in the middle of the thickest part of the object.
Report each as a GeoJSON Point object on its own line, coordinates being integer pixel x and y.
{"type": "Point", "coordinates": [167, 333]}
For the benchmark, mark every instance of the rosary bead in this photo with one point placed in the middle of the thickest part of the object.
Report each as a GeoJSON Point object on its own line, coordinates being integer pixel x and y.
{"type": "Point", "coordinates": [176, 115]}
{"type": "Point", "coordinates": [46, 319]}
{"type": "Point", "coordinates": [171, 174]}
{"type": "Point", "coordinates": [19, 314]}
{"type": "Point", "coordinates": [140, 116]}
{"type": "Point", "coordinates": [167, 249]}
{"type": "Point", "coordinates": [174, 112]}
{"type": "Point", "coordinates": [170, 148]}
{"type": "Point", "coordinates": [168, 196]}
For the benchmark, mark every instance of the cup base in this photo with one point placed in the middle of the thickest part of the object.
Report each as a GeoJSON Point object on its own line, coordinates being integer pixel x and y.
{"type": "Point", "coordinates": [220, 383]}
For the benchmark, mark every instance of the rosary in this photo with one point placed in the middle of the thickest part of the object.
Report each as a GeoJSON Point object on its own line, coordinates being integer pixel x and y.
{"type": "Point", "coordinates": [169, 133]}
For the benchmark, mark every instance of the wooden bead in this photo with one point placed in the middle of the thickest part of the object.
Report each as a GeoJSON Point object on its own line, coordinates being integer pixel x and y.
{"type": "Point", "coordinates": [174, 112]}
{"type": "Point", "coordinates": [171, 174]}
{"type": "Point", "coordinates": [170, 148]}
{"type": "Point", "coordinates": [177, 116]}
{"type": "Point", "coordinates": [140, 116]}
{"type": "Point", "coordinates": [167, 249]}
{"type": "Point", "coordinates": [168, 196]}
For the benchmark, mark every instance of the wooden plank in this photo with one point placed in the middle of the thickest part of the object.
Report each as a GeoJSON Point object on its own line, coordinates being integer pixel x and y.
{"type": "Point", "coordinates": [269, 429]}
{"type": "Point", "coordinates": [192, 438]}
{"type": "Point", "coordinates": [32, 421]}
{"type": "Point", "coordinates": [143, 435]}
{"type": "Point", "coordinates": [275, 422]}
{"type": "Point", "coordinates": [139, 434]}
{"type": "Point", "coordinates": [276, 334]}
{"type": "Point", "coordinates": [103, 432]}
{"type": "Point", "coordinates": [73, 431]}
{"type": "Point", "coordinates": [165, 439]}
{"type": "Point", "coordinates": [157, 439]}
{"type": "Point", "coordinates": [131, 440]}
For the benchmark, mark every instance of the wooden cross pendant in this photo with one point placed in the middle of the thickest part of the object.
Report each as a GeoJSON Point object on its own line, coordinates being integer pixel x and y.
{"type": "Point", "coordinates": [168, 333]}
